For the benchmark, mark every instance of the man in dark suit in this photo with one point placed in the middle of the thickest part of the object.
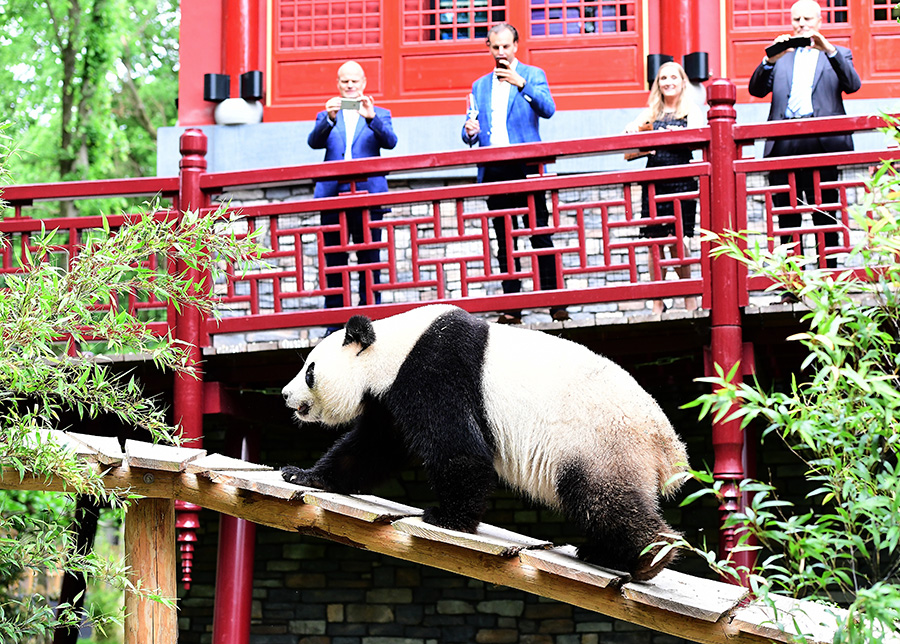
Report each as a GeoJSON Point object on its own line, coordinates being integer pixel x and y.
{"type": "Point", "coordinates": [805, 82]}
{"type": "Point", "coordinates": [510, 101]}
{"type": "Point", "coordinates": [352, 127]}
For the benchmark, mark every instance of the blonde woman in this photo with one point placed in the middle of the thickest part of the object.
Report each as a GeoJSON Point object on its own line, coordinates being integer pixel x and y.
{"type": "Point", "coordinates": [669, 108]}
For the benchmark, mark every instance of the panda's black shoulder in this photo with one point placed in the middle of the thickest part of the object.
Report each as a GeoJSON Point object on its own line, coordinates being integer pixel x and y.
{"type": "Point", "coordinates": [459, 327]}
{"type": "Point", "coordinates": [439, 383]}
{"type": "Point", "coordinates": [454, 335]}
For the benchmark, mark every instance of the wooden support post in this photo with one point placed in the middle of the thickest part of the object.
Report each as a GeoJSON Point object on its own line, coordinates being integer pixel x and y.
{"type": "Point", "coordinates": [150, 551]}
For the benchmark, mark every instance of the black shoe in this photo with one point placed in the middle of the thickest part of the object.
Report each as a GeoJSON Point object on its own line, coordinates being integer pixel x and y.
{"type": "Point", "coordinates": [789, 298]}
{"type": "Point", "coordinates": [510, 317]}
{"type": "Point", "coordinates": [559, 314]}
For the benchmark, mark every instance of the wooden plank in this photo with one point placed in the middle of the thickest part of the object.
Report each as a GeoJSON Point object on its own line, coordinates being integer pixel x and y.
{"type": "Point", "coordinates": [160, 457]}
{"type": "Point", "coordinates": [487, 538]}
{"type": "Point", "coordinates": [150, 551]}
{"type": "Point", "coordinates": [221, 463]}
{"type": "Point", "coordinates": [267, 483]}
{"type": "Point", "coordinates": [789, 617]}
{"type": "Point", "coordinates": [391, 505]}
{"type": "Point", "coordinates": [62, 440]}
{"type": "Point", "coordinates": [109, 452]}
{"type": "Point", "coordinates": [367, 508]}
{"type": "Point", "coordinates": [563, 561]}
{"type": "Point", "coordinates": [693, 596]}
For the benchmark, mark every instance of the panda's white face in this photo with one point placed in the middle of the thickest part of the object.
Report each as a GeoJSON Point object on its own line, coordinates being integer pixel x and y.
{"type": "Point", "coordinates": [330, 387]}
{"type": "Point", "coordinates": [347, 366]}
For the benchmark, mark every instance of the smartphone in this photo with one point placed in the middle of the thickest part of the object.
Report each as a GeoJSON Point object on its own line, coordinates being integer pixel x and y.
{"type": "Point", "coordinates": [350, 104]}
{"type": "Point", "coordinates": [790, 43]}
{"type": "Point", "coordinates": [502, 63]}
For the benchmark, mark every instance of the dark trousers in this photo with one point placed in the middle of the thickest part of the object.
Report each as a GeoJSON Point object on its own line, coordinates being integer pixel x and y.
{"type": "Point", "coordinates": [341, 258]}
{"type": "Point", "coordinates": [805, 191]}
{"type": "Point", "coordinates": [546, 263]}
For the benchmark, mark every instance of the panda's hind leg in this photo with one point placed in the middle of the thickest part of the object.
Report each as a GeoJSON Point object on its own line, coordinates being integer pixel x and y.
{"type": "Point", "coordinates": [618, 519]}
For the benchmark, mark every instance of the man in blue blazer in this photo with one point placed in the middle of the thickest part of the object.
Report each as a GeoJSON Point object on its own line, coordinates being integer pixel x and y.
{"type": "Point", "coordinates": [510, 102]}
{"type": "Point", "coordinates": [370, 130]}
{"type": "Point", "coordinates": [805, 82]}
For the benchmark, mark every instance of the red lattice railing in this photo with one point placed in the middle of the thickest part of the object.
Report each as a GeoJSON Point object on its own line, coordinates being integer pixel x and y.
{"type": "Point", "coordinates": [70, 234]}
{"type": "Point", "coordinates": [437, 243]}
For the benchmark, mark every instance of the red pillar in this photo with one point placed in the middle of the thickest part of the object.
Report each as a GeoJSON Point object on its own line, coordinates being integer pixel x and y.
{"type": "Point", "coordinates": [240, 45]}
{"type": "Point", "coordinates": [725, 313]}
{"type": "Point", "coordinates": [676, 36]}
{"type": "Point", "coordinates": [234, 568]}
{"type": "Point", "coordinates": [188, 391]}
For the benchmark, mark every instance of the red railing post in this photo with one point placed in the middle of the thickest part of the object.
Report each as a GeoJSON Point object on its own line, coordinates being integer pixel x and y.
{"type": "Point", "coordinates": [725, 313]}
{"type": "Point", "coordinates": [187, 401]}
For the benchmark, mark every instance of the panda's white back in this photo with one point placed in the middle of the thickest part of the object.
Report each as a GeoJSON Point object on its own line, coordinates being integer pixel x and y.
{"type": "Point", "coordinates": [550, 401]}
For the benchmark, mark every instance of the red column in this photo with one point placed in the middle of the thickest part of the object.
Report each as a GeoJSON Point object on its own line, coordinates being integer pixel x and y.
{"type": "Point", "coordinates": [188, 391]}
{"type": "Point", "coordinates": [725, 313]}
{"type": "Point", "coordinates": [707, 36]}
{"type": "Point", "coordinates": [676, 27]}
{"type": "Point", "coordinates": [240, 45]}
{"type": "Point", "coordinates": [234, 569]}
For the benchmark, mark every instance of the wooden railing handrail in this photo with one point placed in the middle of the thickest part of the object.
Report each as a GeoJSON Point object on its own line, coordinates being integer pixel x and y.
{"type": "Point", "coordinates": [27, 194]}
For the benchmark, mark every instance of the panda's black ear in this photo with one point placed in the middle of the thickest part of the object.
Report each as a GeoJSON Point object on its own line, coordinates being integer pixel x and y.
{"type": "Point", "coordinates": [359, 331]}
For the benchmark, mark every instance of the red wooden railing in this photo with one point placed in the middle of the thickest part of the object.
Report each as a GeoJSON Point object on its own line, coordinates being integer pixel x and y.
{"type": "Point", "coordinates": [436, 244]}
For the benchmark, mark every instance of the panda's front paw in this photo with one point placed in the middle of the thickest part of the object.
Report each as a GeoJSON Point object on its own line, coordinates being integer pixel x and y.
{"type": "Point", "coordinates": [299, 476]}
{"type": "Point", "coordinates": [449, 520]}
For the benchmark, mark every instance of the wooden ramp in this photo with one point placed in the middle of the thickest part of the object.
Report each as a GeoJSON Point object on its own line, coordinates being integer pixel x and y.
{"type": "Point", "coordinates": [682, 605]}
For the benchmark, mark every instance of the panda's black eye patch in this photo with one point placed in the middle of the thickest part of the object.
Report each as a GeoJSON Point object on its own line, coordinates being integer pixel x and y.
{"type": "Point", "coordinates": [310, 375]}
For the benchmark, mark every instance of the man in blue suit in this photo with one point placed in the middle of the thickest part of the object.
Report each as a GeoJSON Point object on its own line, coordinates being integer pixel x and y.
{"type": "Point", "coordinates": [511, 100]}
{"type": "Point", "coordinates": [370, 130]}
{"type": "Point", "coordinates": [805, 82]}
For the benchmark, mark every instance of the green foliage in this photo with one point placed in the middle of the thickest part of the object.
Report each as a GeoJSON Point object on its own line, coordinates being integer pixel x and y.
{"type": "Point", "coordinates": [86, 84]}
{"type": "Point", "coordinates": [840, 416]}
{"type": "Point", "coordinates": [48, 302]}
{"type": "Point", "coordinates": [40, 381]}
{"type": "Point", "coordinates": [104, 603]}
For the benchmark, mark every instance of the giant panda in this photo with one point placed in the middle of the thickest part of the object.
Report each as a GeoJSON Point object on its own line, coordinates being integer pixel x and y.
{"type": "Point", "coordinates": [476, 400]}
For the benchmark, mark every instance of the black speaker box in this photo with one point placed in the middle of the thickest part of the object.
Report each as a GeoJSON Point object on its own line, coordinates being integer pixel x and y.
{"type": "Point", "coordinates": [696, 66]}
{"type": "Point", "coordinates": [252, 85]}
{"type": "Point", "coordinates": [216, 87]}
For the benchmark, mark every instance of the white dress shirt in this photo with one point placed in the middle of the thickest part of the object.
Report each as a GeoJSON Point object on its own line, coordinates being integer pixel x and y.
{"type": "Point", "coordinates": [499, 105]}
{"type": "Point", "coordinates": [800, 98]}
{"type": "Point", "coordinates": [351, 119]}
